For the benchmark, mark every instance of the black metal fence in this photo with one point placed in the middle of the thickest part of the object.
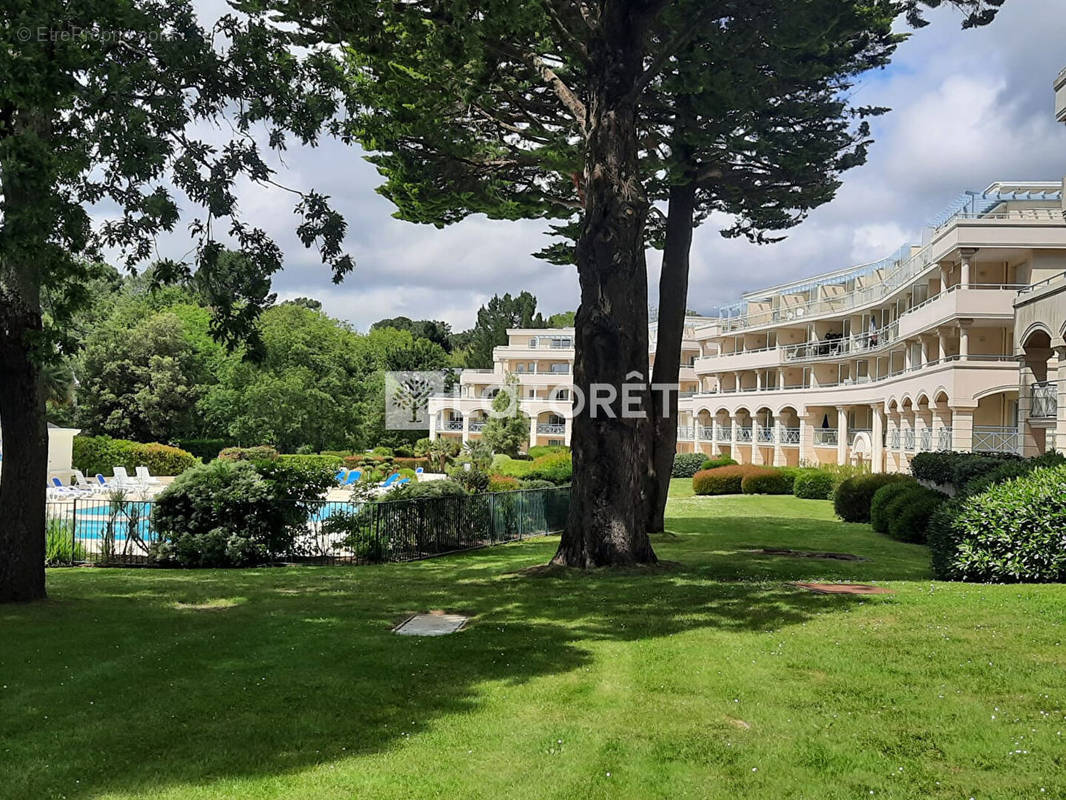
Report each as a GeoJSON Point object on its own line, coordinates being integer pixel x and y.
{"type": "Point", "coordinates": [98, 530]}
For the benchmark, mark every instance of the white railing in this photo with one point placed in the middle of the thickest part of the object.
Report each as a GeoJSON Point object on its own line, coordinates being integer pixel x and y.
{"type": "Point", "coordinates": [894, 439]}
{"type": "Point", "coordinates": [789, 435]}
{"type": "Point", "coordinates": [764, 435]}
{"type": "Point", "coordinates": [723, 433]}
{"type": "Point", "coordinates": [1044, 400]}
{"type": "Point", "coordinates": [925, 440]}
{"type": "Point", "coordinates": [743, 433]}
{"type": "Point", "coordinates": [996, 439]}
{"type": "Point", "coordinates": [943, 438]}
{"type": "Point", "coordinates": [453, 425]}
{"type": "Point", "coordinates": [477, 427]}
{"type": "Point", "coordinates": [853, 432]}
{"type": "Point", "coordinates": [825, 437]}
{"type": "Point", "coordinates": [551, 428]}
{"type": "Point", "coordinates": [706, 432]}
{"type": "Point", "coordinates": [908, 439]}
{"type": "Point", "coordinates": [684, 432]}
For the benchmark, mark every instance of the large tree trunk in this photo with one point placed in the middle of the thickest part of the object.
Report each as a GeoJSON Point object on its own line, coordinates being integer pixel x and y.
{"type": "Point", "coordinates": [673, 301]}
{"type": "Point", "coordinates": [24, 468]}
{"type": "Point", "coordinates": [608, 506]}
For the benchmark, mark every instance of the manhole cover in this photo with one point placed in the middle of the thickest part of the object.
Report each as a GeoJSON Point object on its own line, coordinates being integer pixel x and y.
{"type": "Point", "coordinates": [843, 588]}
{"type": "Point", "coordinates": [430, 625]}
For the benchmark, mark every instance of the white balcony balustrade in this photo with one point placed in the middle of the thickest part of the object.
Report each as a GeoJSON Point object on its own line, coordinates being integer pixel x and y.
{"type": "Point", "coordinates": [764, 435]}
{"type": "Point", "coordinates": [551, 428]}
{"type": "Point", "coordinates": [1044, 400]}
{"type": "Point", "coordinates": [744, 433]}
{"type": "Point", "coordinates": [908, 440]}
{"type": "Point", "coordinates": [790, 436]}
{"type": "Point", "coordinates": [996, 439]}
{"type": "Point", "coordinates": [943, 438]}
{"type": "Point", "coordinates": [825, 437]}
{"type": "Point", "coordinates": [453, 425]}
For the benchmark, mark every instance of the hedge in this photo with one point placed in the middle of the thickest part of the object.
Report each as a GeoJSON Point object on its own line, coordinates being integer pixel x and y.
{"type": "Point", "coordinates": [263, 452]}
{"type": "Point", "coordinates": [503, 483]}
{"type": "Point", "coordinates": [958, 469]}
{"type": "Point", "coordinates": [813, 484]}
{"type": "Point", "coordinates": [312, 460]}
{"type": "Point", "coordinates": [1012, 469]}
{"type": "Point", "coordinates": [686, 464]}
{"type": "Point", "coordinates": [557, 468]}
{"type": "Point", "coordinates": [723, 480]}
{"type": "Point", "coordinates": [910, 512]}
{"type": "Point", "coordinates": [767, 480]}
{"type": "Point", "coordinates": [1012, 532]}
{"type": "Point", "coordinates": [101, 454]}
{"type": "Point", "coordinates": [547, 450]}
{"type": "Point", "coordinates": [853, 497]}
{"type": "Point", "coordinates": [884, 498]}
{"type": "Point", "coordinates": [718, 461]}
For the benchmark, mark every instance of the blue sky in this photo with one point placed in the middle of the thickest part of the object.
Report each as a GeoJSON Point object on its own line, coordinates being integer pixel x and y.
{"type": "Point", "coordinates": [969, 107]}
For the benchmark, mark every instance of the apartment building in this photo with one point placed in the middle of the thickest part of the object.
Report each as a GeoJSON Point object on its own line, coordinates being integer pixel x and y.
{"type": "Point", "coordinates": [541, 360]}
{"type": "Point", "coordinates": [951, 344]}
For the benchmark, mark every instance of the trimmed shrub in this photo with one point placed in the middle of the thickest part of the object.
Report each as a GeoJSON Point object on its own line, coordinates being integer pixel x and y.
{"type": "Point", "coordinates": [204, 449]}
{"type": "Point", "coordinates": [722, 480]}
{"type": "Point", "coordinates": [512, 467]}
{"type": "Point", "coordinates": [416, 491]}
{"type": "Point", "coordinates": [883, 499]}
{"type": "Point", "coordinates": [686, 464]}
{"type": "Point", "coordinates": [1013, 532]}
{"type": "Point", "coordinates": [93, 454]}
{"type": "Point", "coordinates": [382, 451]}
{"type": "Point", "coordinates": [767, 480]}
{"type": "Point", "coordinates": [262, 452]}
{"type": "Point", "coordinates": [813, 484]}
{"type": "Point", "coordinates": [235, 513]}
{"type": "Point", "coordinates": [852, 498]}
{"type": "Point", "coordinates": [411, 463]}
{"type": "Point", "coordinates": [311, 460]}
{"type": "Point", "coordinates": [938, 467]}
{"type": "Point", "coordinates": [547, 450]}
{"type": "Point", "coordinates": [557, 468]}
{"type": "Point", "coordinates": [503, 483]}
{"type": "Point", "coordinates": [909, 514]}
{"type": "Point", "coordinates": [718, 461]}
{"type": "Point", "coordinates": [1012, 469]}
{"type": "Point", "coordinates": [534, 483]}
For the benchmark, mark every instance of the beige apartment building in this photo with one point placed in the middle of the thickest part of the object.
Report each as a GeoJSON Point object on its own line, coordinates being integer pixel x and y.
{"type": "Point", "coordinates": [951, 344]}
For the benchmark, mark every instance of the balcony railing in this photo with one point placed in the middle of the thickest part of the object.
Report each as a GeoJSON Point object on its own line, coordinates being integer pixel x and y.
{"type": "Point", "coordinates": [996, 439]}
{"type": "Point", "coordinates": [551, 428]}
{"type": "Point", "coordinates": [684, 432]}
{"type": "Point", "coordinates": [825, 437]}
{"type": "Point", "coordinates": [894, 439]}
{"type": "Point", "coordinates": [925, 440]}
{"type": "Point", "coordinates": [853, 432]}
{"type": "Point", "coordinates": [1044, 400]}
{"type": "Point", "coordinates": [764, 435]}
{"type": "Point", "coordinates": [723, 433]}
{"type": "Point", "coordinates": [743, 433]}
{"type": "Point", "coordinates": [790, 435]}
{"type": "Point", "coordinates": [706, 432]}
{"type": "Point", "coordinates": [908, 440]}
{"type": "Point", "coordinates": [477, 427]}
{"type": "Point", "coordinates": [453, 424]}
{"type": "Point", "coordinates": [943, 438]}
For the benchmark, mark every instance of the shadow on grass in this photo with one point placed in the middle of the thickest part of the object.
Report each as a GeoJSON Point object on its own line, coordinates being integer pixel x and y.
{"type": "Point", "coordinates": [134, 680]}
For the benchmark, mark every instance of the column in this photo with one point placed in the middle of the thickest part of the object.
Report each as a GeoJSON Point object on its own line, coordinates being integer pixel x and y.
{"type": "Point", "coordinates": [942, 344]}
{"type": "Point", "coordinates": [1060, 418]}
{"type": "Point", "coordinates": [962, 430]}
{"type": "Point", "coordinates": [924, 342]}
{"type": "Point", "coordinates": [466, 428]}
{"type": "Point", "coordinates": [779, 434]}
{"type": "Point", "coordinates": [964, 339]}
{"type": "Point", "coordinates": [432, 426]}
{"type": "Point", "coordinates": [907, 355]}
{"type": "Point", "coordinates": [533, 430]}
{"type": "Point", "coordinates": [967, 259]}
{"type": "Point", "coordinates": [758, 380]}
{"type": "Point", "coordinates": [733, 452]}
{"type": "Point", "coordinates": [877, 450]}
{"type": "Point", "coordinates": [842, 435]}
{"type": "Point", "coordinates": [736, 378]}
{"type": "Point", "coordinates": [569, 427]}
{"type": "Point", "coordinates": [780, 378]}
{"type": "Point", "coordinates": [944, 270]}
{"type": "Point", "coordinates": [892, 451]}
{"type": "Point", "coordinates": [806, 448]}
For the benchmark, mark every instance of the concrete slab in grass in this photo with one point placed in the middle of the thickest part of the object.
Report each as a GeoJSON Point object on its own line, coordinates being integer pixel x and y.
{"type": "Point", "coordinates": [430, 625]}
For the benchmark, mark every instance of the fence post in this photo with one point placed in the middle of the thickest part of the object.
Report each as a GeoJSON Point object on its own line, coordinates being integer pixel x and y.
{"type": "Point", "coordinates": [74, 532]}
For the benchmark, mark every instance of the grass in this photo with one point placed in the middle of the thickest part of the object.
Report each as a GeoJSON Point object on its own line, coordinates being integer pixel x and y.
{"type": "Point", "coordinates": [711, 678]}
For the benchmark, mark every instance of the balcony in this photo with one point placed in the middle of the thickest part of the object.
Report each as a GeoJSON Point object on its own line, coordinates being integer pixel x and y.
{"type": "Point", "coordinates": [976, 301]}
{"type": "Point", "coordinates": [551, 428]}
{"type": "Point", "coordinates": [705, 432]}
{"type": "Point", "coordinates": [684, 432]}
{"type": "Point", "coordinates": [943, 438]}
{"type": "Point", "coordinates": [908, 440]}
{"type": "Point", "coordinates": [1060, 97]}
{"type": "Point", "coordinates": [764, 435]}
{"type": "Point", "coordinates": [1044, 400]}
{"type": "Point", "coordinates": [790, 436]}
{"type": "Point", "coordinates": [743, 433]}
{"type": "Point", "coordinates": [477, 427]}
{"type": "Point", "coordinates": [825, 437]}
{"type": "Point", "coordinates": [996, 439]}
{"type": "Point", "coordinates": [453, 425]}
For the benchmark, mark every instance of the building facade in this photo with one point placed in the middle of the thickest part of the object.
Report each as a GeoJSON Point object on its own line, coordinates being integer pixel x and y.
{"type": "Point", "coordinates": [951, 344]}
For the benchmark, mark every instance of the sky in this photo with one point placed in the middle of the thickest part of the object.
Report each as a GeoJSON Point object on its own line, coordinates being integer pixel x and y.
{"type": "Point", "coordinates": [968, 108]}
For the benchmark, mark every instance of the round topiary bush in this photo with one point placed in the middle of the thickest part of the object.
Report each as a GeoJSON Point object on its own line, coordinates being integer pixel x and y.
{"type": "Point", "coordinates": [852, 499]}
{"type": "Point", "coordinates": [813, 484]}
{"type": "Point", "coordinates": [1013, 532]}
{"type": "Point", "coordinates": [722, 480]}
{"type": "Point", "coordinates": [883, 498]}
{"type": "Point", "coordinates": [909, 514]}
{"type": "Point", "coordinates": [766, 480]}
{"type": "Point", "coordinates": [686, 465]}
{"type": "Point", "coordinates": [718, 461]}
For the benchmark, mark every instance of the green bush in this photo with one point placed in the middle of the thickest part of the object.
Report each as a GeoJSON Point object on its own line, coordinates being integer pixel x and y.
{"type": "Point", "coordinates": [382, 451]}
{"type": "Point", "coordinates": [93, 454]}
{"type": "Point", "coordinates": [910, 512]}
{"type": "Point", "coordinates": [767, 480]}
{"type": "Point", "coordinates": [204, 449]}
{"type": "Point", "coordinates": [535, 483]}
{"type": "Point", "coordinates": [813, 484]}
{"type": "Point", "coordinates": [547, 450]}
{"type": "Point", "coordinates": [947, 467]}
{"type": "Point", "coordinates": [417, 491]}
{"type": "Point", "coordinates": [60, 546]}
{"type": "Point", "coordinates": [474, 480]}
{"type": "Point", "coordinates": [502, 483]}
{"type": "Point", "coordinates": [718, 461]}
{"type": "Point", "coordinates": [235, 513]}
{"type": "Point", "coordinates": [1011, 469]}
{"type": "Point", "coordinates": [262, 452]}
{"type": "Point", "coordinates": [311, 460]}
{"type": "Point", "coordinates": [557, 468]}
{"type": "Point", "coordinates": [883, 498]}
{"type": "Point", "coordinates": [853, 497]}
{"type": "Point", "coordinates": [405, 462]}
{"type": "Point", "coordinates": [1012, 532]}
{"type": "Point", "coordinates": [512, 467]}
{"type": "Point", "coordinates": [722, 480]}
{"type": "Point", "coordinates": [686, 464]}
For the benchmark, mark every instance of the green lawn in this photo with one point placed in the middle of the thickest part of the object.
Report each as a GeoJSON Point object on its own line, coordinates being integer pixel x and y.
{"type": "Point", "coordinates": [711, 678]}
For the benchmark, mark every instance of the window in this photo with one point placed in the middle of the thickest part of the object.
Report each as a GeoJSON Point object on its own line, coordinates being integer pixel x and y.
{"type": "Point", "coordinates": [560, 369]}
{"type": "Point", "coordinates": [562, 394]}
